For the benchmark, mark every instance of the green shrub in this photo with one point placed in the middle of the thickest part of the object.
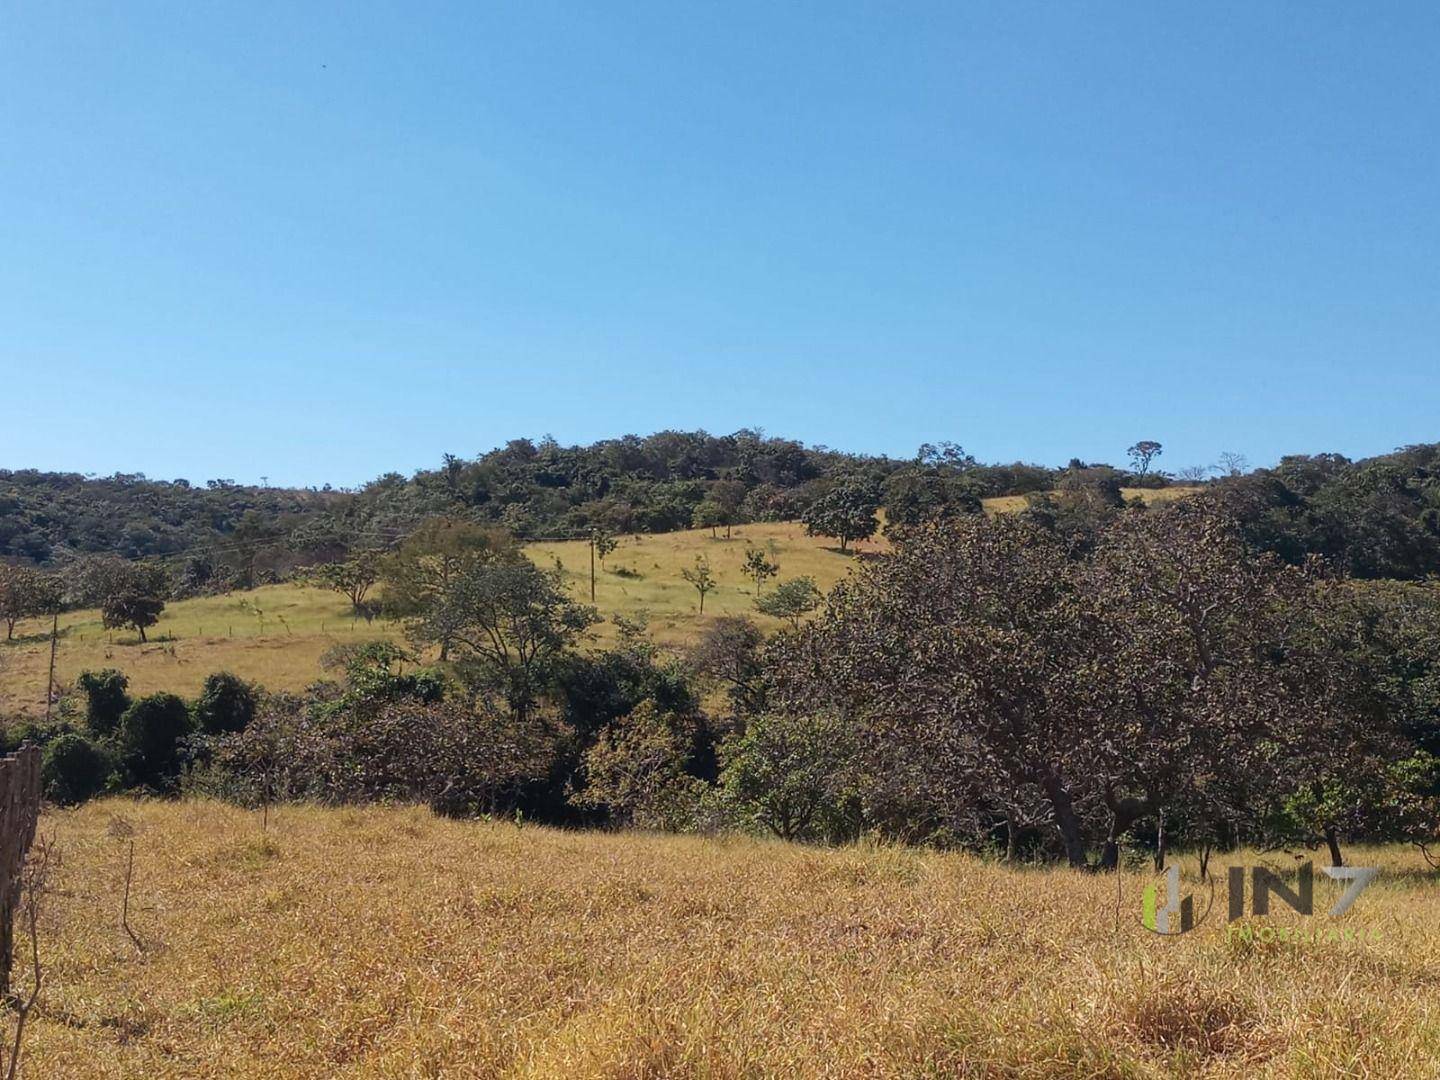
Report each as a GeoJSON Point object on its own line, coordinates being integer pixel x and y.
{"type": "Point", "coordinates": [105, 699]}
{"type": "Point", "coordinates": [74, 769]}
{"type": "Point", "coordinates": [226, 704]}
{"type": "Point", "coordinates": [793, 776]}
{"type": "Point", "coordinates": [151, 737]}
{"type": "Point", "coordinates": [36, 732]}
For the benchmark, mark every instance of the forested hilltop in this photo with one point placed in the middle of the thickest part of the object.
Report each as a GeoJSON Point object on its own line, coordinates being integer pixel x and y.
{"type": "Point", "coordinates": [1378, 517]}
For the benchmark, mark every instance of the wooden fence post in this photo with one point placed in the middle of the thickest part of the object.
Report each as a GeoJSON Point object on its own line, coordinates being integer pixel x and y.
{"type": "Point", "coordinates": [19, 814]}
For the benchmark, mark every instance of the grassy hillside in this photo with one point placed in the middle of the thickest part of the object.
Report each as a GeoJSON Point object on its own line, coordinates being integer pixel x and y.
{"type": "Point", "coordinates": [276, 634]}
{"type": "Point", "coordinates": [670, 603]}
{"type": "Point", "coordinates": [389, 943]}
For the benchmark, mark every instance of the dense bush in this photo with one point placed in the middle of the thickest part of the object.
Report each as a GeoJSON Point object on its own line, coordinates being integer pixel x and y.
{"type": "Point", "coordinates": [226, 703]}
{"type": "Point", "coordinates": [796, 776]}
{"type": "Point", "coordinates": [642, 771]}
{"type": "Point", "coordinates": [105, 699]}
{"type": "Point", "coordinates": [75, 769]}
{"type": "Point", "coordinates": [458, 759]}
{"type": "Point", "coordinates": [151, 740]}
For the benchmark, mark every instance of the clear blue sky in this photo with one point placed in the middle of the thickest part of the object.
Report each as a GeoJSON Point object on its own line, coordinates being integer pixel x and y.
{"type": "Point", "coordinates": [317, 242]}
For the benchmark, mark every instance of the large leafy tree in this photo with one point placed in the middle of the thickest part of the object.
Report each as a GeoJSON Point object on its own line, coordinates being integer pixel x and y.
{"type": "Point", "coordinates": [512, 621]}
{"type": "Point", "coordinates": [1173, 679]}
{"type": "Point", "coordinates": [1210, 699]}
{"type": "Point", "coordinates": [129, 594]}
{"type": "Point", "coordinates": [352, 578]}
{"type": "Point", "coordinates": [959, 658]}
{"type": "Point", "coordinates": [26, 593]}
{"type": "Point", "coordinates": [846, 512]}
{"type": "Point", "coordinates": [422, 574]}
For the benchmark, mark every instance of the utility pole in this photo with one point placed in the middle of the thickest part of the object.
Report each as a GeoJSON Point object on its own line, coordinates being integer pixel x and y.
{"type": "Point", "coordinates": [50, 681]}
{"type": "Point", "coordinates": [592, 567]}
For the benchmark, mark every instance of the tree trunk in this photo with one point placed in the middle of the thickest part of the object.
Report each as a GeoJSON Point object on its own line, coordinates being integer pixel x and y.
{"type": "Point", "coordinates": [1011, 835]}
{"type": "Point", "coordinates": [142, 634]}
{"type": "Point", "coordinates": [1123, 814]}
{"type": "Point", "coordinates": [1332, 839]}
{"type": "Point", "coordinates": [1120, 820]}
{"type": "Point", "coordinates": [1065, 819]}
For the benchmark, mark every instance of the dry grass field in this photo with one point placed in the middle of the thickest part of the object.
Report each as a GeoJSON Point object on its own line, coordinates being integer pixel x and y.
{"type": "Point", "coordinates": [389, 943]}
{"type": "Point", "coordinates": [276, 635]}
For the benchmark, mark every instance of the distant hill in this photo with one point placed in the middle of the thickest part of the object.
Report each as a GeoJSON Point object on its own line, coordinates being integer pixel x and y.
{"type": "Point", "coordinates": [1378, 517]}
{"type": "Point", "coordinates": [536, 489]}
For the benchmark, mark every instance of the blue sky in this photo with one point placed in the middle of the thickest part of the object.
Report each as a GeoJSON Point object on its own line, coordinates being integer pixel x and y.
{"type": "Point", "coordinates": [318, 242]}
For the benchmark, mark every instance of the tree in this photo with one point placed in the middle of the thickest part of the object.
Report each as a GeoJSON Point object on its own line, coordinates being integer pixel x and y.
{"type": "Point", "coordinates": [604, 544]}
{"type": "Point", "coordinates": [353, 578]}
{"type": "Point", "coordinates": [958, 661]}
{"type": "Point", "coordinates": [945, 454]}
{"type": "Point", "coordinates": [707, 515]}
{"type": "Point", "coordinates": [513, 622]}
{"type": "Point", "coordinates": [1082, 505]}
{"type": "Point", "coordinates": [1143, 453]}
{"type": "Point", "coordinates": [729, 497]}
{"type": "Point", "coordinates": [791, 600]}
{"type": "Point", "coordinates": [758, 568]}
{"type": "Point", "coordinates": [132, 610]}
{"type": "Point", "coordinates": [919, 493]}
{"type": "Point", "coordinates": [728, 654]}
{"type": "Point", "coordinates": [701, 578]}
{"type": "Point", "coordinates": [26, 593]}
{"type": "Point", "coordinates": [1233, 463]}
{"type": "Point", "coordinates": [421, 574]}
{"type": "Point", "coordinates": [100, 580]}
{"type": "Point", "coordinates": [846, 512]}
{"type": "Point", "coordinates": [1213, 701]}
{"type": "Point", "coordinates": [252, 535]}
{"type": "Point", "coordinates": [601, 544]}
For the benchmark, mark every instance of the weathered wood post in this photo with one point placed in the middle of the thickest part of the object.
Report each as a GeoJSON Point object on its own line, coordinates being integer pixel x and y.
{"type": "Point", "coordinates": [19, 814]}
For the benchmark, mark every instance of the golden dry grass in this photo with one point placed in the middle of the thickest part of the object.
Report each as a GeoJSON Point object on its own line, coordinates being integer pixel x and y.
{"type": "Point", "coordinates": [388, 943]}
{"type": "Point", "coordinates": [670, 603]}
{"type": "Point", "coordinates": [1011, 504]}
{"type": "Point", "coordinates": [279, 647]}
